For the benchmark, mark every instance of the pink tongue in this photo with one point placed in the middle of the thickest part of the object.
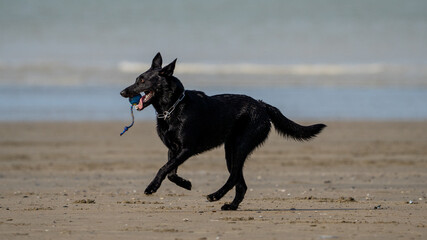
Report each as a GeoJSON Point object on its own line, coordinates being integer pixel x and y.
{"type": "Point", "coordinates": [140, 104]}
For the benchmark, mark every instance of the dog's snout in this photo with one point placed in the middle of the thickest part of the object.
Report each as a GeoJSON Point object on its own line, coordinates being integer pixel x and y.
{"type": "Point", "coordinates": [123, 93]}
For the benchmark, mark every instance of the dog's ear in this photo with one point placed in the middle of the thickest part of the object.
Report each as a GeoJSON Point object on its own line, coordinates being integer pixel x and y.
{"type": "Point", "coordinates": [157, 61]}
{"type": "Point", "coordinates": [168, 70]}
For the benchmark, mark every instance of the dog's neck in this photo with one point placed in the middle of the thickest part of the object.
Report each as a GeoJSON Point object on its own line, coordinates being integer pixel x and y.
{"type": "Point", "coordinates": [168, 98]}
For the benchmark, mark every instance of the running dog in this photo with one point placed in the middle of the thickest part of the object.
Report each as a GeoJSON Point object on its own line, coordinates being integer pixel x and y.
{"type": "Point", "coordinates": [190, 122]}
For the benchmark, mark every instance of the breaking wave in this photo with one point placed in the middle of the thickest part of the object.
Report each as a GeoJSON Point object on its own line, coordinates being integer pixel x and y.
{"type": "Point", "coordinates": [63, 73]}
{"type": "Point", "coordinates": [262, 69]}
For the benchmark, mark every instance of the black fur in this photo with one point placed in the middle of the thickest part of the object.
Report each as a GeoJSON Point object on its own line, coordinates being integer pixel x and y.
{"type": "Point", "coordinates": [200, 122]}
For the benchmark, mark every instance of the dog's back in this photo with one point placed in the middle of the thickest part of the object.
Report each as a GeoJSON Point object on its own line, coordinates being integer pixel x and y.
{"type": "Point", "coordinates": [220, 115]}
{"type": "Point", "coordinates": [209, 120]}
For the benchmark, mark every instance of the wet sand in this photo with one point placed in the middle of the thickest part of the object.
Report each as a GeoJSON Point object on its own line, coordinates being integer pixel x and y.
{"type": "Point", "coordinates": [357, 180]}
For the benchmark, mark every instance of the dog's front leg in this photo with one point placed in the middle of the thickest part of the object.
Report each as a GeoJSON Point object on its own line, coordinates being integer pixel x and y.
{"type": "Point", "coordinates": [173, 176]}
{"type": "Point", "coordinates": [170, 166]}
{"type": "Point", "coordinates": [184, 183]}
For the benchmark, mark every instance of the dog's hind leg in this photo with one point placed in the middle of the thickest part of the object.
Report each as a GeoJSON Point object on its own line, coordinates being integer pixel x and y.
{"type": "Point", "coordinates": [229, 152]}
{"type": "Point", "coordinates": [231, 182]}
{"type": "Point", "coordinates": [240, 194]}
{"type": "Point", "coordinates": [235, 160]}
{"type": "Point", "coordinates": [237, 148]}
{"type": "Point", "coordinates": [235, 157]}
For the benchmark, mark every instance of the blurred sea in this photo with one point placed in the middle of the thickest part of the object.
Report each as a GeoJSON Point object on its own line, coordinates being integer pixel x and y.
{"type": "Point", "coordinates": [331, 59]}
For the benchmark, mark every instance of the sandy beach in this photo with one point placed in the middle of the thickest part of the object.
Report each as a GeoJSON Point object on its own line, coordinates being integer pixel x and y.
{"type": "Point", "coordinates": [359, 67]}
{"type": "Point", "coordinates": [81, 180]}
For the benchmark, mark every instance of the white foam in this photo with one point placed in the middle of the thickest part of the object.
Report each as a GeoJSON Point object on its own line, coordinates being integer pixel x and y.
{"type": "Point", "coordinates": [261, 69]}
{"type": "Point", "coordinates": [132, 67]}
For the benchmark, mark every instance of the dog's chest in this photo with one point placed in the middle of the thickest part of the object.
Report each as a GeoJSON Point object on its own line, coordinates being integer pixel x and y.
{"type": "Point", "coordinates": [168, 135]}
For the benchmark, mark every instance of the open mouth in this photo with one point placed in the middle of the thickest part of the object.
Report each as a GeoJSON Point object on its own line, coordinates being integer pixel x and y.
{"type": "Point", "coordinates": [143, 102]}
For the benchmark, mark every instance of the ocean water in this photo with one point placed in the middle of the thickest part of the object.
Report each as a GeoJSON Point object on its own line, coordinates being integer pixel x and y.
{"type": "Point", "coordinates": [299, 103]}
{"type": "Point", "coordinates": [275, 31]}
{"type": "Point", "coordinates": [331, 59]}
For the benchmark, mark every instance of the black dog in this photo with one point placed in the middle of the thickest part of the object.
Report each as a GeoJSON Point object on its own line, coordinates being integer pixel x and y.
{"type": "Point", "coordinates": [190, 122]}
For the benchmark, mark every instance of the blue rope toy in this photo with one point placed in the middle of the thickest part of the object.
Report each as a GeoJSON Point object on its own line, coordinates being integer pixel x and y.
{"type": "Point", "coordinates": [133, 101]}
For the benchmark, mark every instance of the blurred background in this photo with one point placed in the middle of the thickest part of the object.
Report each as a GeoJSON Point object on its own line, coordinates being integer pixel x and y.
{"type": "Point", "coordinates": [331, 59]}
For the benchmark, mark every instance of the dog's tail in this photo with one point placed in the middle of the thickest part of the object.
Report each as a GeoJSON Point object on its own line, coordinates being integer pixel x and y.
{"type": "Point", "coordinates": [288, 128]}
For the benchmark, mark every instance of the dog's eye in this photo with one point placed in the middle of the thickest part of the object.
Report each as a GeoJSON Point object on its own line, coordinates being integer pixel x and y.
{"type": "Point", "coordinates": [142, 81]}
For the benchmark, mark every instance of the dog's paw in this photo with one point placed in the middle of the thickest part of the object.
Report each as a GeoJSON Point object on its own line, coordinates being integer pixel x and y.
{"type": "Point", "coordinates": [212, 197]}
{"type": "Point", "coordinates": [151, 189]}
{"type": "Point", "coordinates": [185, 184]}
{"type": "Point", "coordinates": [179, 181]}
{"type": "Point", "coordinates": [229, 207]}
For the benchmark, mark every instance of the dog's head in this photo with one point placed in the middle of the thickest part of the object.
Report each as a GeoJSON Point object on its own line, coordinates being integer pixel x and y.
{"type": "Point", "coordinates": [156, 82]}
